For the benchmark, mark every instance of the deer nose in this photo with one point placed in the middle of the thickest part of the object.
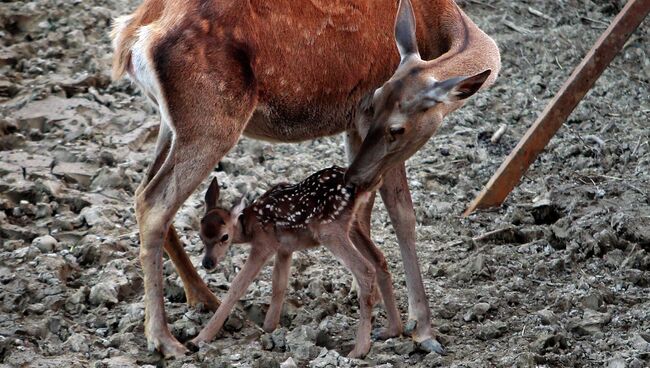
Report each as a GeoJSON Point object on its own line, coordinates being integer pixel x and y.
{"type": "Point", "coordinates": [208, 263]}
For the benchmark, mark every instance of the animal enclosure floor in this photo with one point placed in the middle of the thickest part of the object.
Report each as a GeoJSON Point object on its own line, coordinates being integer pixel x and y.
{"type": "Point", "coordinates": [558, 277]}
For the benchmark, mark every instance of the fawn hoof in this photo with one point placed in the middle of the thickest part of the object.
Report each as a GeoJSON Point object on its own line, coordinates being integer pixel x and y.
{"type": "Point", "coordinates": [431, 346]}
{"type": "Point", "coordinates": [380, 334]}
{"type": "Point", "coordinates": [410, 327]}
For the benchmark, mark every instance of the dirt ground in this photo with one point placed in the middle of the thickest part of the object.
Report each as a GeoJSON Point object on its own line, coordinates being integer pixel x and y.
{"type": "Point", "coordinates": [558, 277]}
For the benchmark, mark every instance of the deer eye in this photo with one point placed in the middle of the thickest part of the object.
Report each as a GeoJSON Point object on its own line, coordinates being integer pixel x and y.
{"type": "Point", "coordinates": [394, 132]}
{"type": "Point", "coordinates": [224, 237]}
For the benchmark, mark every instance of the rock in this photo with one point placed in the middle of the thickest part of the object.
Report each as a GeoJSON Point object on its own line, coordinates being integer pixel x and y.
{"type": "Point", "coordinates": [300, 342]}
{"type": "Point", "coordinates": [78, 342]}
{"type": "Point", "coordinates": [315, 288]}
{"type": "Point", "coordinates": [404, 346]}
{"type": "Point", "coordinates": [45, 244]}
{"type": "Point", "coordinates": [330, 359]}
{"type": "Point", "coordinates": [550, 344]}
{"type": "Point", "coordinates": [289, 363]}
{"type": "Point", "coordinates": [617, 363]}
{"type": "Point", "coordinates": [103, 293]}
{"type": "Point", "coordinates": [138, 136]}
{"type": "Point", "coordinates": [99, 216]}
{"type": "Point", "coordinates": [547, 317]}
{"type": "Point", "coordinates": [266, 341]}
{"type": "Point", "coordinates": [591, 323]}
{"type": "Point", "coordinates": [75, 172]}
{"type": "Point", "coordinates": [279, 338]}
{"type": "Point", "coordinates": [120, 362]}
{"type": "Point", "coordinates": [492, 330]}
{"type": "Point", "coordinates": [477, 312]}
{"type": "Point", "coordinates": [111, 178]}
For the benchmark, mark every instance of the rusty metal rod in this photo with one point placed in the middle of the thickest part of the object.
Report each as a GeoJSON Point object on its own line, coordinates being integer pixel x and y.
{"type": "Point", "coordinates": [561, 106]}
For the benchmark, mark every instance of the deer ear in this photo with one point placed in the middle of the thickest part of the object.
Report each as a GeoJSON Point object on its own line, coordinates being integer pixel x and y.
{"type": "Point", "coordinates": [212, 195]}
{"type": "Point", "coordinates": [237, 209]}
{"type": "Point", "coordinates": [454, 89]}
{"type": "Point", "coordinates": [405, 30]}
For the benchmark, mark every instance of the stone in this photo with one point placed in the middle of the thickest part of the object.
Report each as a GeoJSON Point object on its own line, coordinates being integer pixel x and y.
{"type": "Point", "coordinates": [103, 293]}
{"type": "Point", "coordinates": [78, 342]}
{"type": "Point", "coordinates": [45, 244]}
{"type": "Point", "coordinates": [289, 363]}
{"type": "Point", "coordinates": [75, 172]}
{"type": "Point", "coordinates": [590, 323]}
{"type": "Point", "coordinates": [477, 312]}
{"type": "Point", "coordinates": [492, 330]}
{"type": "Point", "coordinates": [120, 362]}
{"type": "Point", "coordinates": [330, 359]}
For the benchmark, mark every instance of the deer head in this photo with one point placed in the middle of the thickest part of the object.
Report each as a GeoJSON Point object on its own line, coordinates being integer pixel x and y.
{"type": "Point", "coordinates": [219, 226]}
{"type": "Point", "coordinates": [405, 112]}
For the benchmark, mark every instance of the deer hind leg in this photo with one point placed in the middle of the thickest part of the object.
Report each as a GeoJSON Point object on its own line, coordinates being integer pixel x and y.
{"type": "Point", "coordinates": [397, 199]}
{"type": "Point", "coordinates": [281, 270]}
{"type": "Point", "coordinates": [206, 121]}
{"type": "Point", "coordinates": [197, 292]}
{"type": "Point", "coordinates": [338, 242]}
{"type": "Point", "coordinates": [369, 250]}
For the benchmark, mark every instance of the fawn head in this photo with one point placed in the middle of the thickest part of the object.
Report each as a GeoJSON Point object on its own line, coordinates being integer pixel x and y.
{"type": "Point", "coordinates": [218, 226]}
{"type": "Point", "coordinates": [405, 112]}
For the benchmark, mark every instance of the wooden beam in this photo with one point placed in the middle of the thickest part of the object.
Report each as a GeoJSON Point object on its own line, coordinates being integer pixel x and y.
{"type": "Point", "coordinates": [561, 106]}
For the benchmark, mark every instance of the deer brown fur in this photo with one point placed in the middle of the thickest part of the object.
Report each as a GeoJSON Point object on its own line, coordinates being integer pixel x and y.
{"type": "Point", "coordinates": [285, 70]}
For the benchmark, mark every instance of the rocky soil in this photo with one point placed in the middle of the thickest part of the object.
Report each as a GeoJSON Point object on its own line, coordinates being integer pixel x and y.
{"type": "Point", "coordinates": [558, 277]}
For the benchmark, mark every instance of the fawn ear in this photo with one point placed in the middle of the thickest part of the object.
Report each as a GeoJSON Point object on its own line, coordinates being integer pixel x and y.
{"type": "Point", "coordinates": [405, 31]}
{"type": "Point", "coordinates": [451, 90]}
{"type": "Point", "coordinates": [237, 209]}
{"type": "Point", "coordinates": [212, 195]}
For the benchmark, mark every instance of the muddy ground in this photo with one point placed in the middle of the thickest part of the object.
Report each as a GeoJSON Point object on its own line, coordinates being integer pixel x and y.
{"type": "Point", "coordinates": [564, 281]}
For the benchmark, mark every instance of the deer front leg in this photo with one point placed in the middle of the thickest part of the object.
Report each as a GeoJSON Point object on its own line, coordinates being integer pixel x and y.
{"type": "Point", "coordinates": [258, 256]}
{"type": "Point", "coordinates": [397, 199]}
{"type": "Point", "coordinates": [281, 271]}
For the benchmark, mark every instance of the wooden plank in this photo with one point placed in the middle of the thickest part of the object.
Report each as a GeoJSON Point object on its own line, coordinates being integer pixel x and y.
{"type": "Point", "coordinates": [561, 106]}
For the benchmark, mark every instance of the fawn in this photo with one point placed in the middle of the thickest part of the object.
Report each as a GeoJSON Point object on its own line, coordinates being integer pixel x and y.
{"type": "Point", "coordinates": [319, 210]}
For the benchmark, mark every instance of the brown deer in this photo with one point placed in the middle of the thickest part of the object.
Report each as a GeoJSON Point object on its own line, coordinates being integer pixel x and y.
{"type": "Point", "coordinates": [320, 210]}
{"type": "Point", "coordinates": [291, 70]}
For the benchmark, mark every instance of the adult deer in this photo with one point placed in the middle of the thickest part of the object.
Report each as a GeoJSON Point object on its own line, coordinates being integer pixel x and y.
{"type": "Point", "coordinates": [291, 70]}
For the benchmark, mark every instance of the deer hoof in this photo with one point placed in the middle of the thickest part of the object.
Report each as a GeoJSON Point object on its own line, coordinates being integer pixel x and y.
{"type": "Point", "coordinates": [381, 334]}
{"type": "Point", "coordinates": [410, 326]}
{"type": "Point", "coordinates": [169, 348]}
{"type": "Point", "coordinates": [432, 346]}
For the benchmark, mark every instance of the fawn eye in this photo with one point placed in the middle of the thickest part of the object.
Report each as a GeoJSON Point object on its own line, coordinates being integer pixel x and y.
{"type": "Point", "coordinates": [224, 237]}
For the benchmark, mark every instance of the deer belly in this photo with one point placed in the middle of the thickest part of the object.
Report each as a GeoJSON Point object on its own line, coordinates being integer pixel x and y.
{"type": "Point", "coordinates": [303, 122]}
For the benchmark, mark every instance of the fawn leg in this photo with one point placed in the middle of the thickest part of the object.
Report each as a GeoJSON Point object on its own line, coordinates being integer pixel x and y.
{"type": "Point", "coordinates": [259, 254]}
{"type": "Point", "coordinates": [397, 199]}
{"type": "Point", "coordinates": [281, 270]}
{"type": "Point", "coordinates": [368, 249]}
{"type": "Point", "coordinates": [338, 242]}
